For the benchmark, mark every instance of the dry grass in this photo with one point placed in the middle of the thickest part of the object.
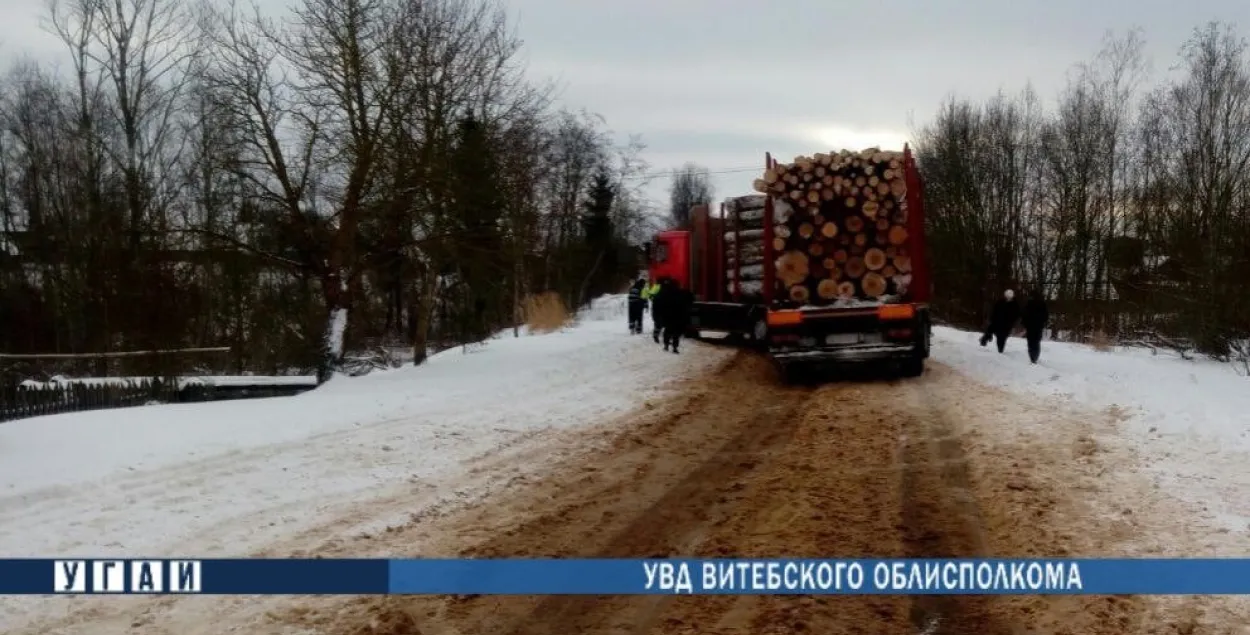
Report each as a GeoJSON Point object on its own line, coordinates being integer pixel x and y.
{"type": "Point", "coordinates": [545, 312]}
{"type": "Point", "coordinates": [1101, 342]}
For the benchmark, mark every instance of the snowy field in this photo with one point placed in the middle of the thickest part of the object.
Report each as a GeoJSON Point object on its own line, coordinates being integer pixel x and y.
{"type": "Point", "coordinates": [231, 478]}
{"type": "Point", "coordinates": [1182, 425]}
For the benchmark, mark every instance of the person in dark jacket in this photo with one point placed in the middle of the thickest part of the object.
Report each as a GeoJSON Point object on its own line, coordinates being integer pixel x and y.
{"type": "Point", "coordinates": [636, 306]}
{"type": "Point", "coordinates": [652, 294]}
{"type": "Point", "coordinates": [1034, 318]}
{"type": "Point", "coordinates": [677, 303]}
{"type": "Point", "coordinates": [1003, 318]}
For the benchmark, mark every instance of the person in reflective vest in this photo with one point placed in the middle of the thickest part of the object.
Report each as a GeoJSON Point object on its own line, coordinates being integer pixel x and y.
{"type": "Point", "coordinates": [636, 306]}
{"type": "Point", "coordinates": [649, 294]}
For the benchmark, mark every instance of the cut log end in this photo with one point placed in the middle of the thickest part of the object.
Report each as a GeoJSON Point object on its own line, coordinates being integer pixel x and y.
{"type": "Point", "coordinates": [855, 267]}
{"type": "Point", "coordinates": [792, 267]}
{"type": "Point", "coordinates": [827, 289]}
{"type": "Point", "coordinates": [874, 259]}
{"type": "Point", "coordinates": [901, 263]}
{"type": "Point", "coordinates": [898, 187]}
{"type": "Point", "coordinates": [874, 285]}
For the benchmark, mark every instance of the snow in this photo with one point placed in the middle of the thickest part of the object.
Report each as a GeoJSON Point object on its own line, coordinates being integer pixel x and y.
{"type": "Point", "coordinates": [1157, 450]}
{"type": "Point", "coordinates": [232, 381]}
{"type": "Point", "coordinates": [1181, 429]}
{"type": "Point", "coordinates": [232, 478]}
{"type": "Point", "coordinates": [1199, 401]}
{"type": "Point", "coordinates": [334, 332]}
{"type": "Point", "coordinates": [237, 477]}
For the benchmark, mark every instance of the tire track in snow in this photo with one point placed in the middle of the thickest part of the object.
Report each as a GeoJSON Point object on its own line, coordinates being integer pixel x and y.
{"type": "Point", "coordinates": [844, 470]}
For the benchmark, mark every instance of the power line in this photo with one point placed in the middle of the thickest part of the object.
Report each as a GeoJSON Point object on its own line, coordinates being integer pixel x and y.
{"type": "Point", "coordinates": [669, 173]}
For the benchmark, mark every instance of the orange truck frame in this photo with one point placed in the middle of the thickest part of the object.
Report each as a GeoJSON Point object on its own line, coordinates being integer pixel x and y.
{"type": "Point", "coordinates": [798, 337]}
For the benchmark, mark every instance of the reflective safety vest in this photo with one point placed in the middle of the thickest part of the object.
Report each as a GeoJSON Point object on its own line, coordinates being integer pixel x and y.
{"type": "Point", "coordinates": [649, 292]}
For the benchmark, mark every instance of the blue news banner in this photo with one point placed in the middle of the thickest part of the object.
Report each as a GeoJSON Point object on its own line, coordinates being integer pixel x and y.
{"type": "Point", "coordinates": [628, 577]}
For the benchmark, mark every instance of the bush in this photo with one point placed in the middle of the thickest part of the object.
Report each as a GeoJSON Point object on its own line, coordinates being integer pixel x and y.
{"type": "Point", "coordinates": [545, 312]}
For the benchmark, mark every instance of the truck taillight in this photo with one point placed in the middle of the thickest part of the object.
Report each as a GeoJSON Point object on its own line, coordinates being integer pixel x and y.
{"type": "Point", "coordinates": [784, 318]}
{"type": "Point", "coordinates": [896, 312]}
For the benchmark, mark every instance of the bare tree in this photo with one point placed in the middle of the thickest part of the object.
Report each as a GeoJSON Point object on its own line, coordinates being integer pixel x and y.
{"type": "Point", "coordinates": [691, 185]}
{"type": "Point", "coordinates": [384, 160]}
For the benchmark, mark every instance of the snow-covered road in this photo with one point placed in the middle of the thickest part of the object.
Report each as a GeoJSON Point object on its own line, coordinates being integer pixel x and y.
{"type": "Point", "coordinates": [1145, 454]}
{"type": "Point", "coordinates": [245, 477]}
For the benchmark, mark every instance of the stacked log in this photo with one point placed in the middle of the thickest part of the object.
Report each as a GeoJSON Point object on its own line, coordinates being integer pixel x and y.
{"type": "Point", "coordinates": [744, 216]}
{"type": "Point", "coordinates": [844, 235]}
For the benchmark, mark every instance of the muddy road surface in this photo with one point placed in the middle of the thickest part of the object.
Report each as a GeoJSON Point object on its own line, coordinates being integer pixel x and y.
{"type": "Point", "coordinates": [740, 465]}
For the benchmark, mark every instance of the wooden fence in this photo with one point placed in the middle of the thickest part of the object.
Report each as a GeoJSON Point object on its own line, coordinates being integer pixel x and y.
{"type": "Point", "coordinates": [19, 402]}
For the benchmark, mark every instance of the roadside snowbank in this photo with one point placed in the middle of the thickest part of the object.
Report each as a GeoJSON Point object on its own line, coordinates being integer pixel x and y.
{"type": "Point", "coordinates": [1183, 426]}
{"type": "Point", "coordinates": [1169, 397]}
{"type": "Point", "coordinates": [147, 480]}
{"type": "Point", "coordinates": [224, 381]}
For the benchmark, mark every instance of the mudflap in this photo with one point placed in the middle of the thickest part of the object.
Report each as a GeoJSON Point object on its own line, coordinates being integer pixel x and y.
{"type": "Point", "coordinates": [755, 331]}
{"type": "Point", "coordinates": [792, 372]}
{"type": "Point", "coordinates": [912, 366]}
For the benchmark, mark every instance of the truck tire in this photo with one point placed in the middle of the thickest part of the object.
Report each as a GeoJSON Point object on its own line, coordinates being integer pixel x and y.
{"type": "Point", "coordinates": [913, 366]}
{"type": "Point", "coordinates": [758, 337]}
{"type": "Point", "coordinates": [926, 343]}
{"type": "Point", "coordinates": [791, 373]}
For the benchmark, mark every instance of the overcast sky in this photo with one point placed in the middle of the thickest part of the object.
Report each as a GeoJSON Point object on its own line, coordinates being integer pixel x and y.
{"type": "Point", "coordinates": [720, 82]}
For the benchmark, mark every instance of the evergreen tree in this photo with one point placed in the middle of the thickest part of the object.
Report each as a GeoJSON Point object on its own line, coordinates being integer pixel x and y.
{"type": "Point", "coordinates": [601, 248]}
{"type": "Point", "coordinates": [478, 206]}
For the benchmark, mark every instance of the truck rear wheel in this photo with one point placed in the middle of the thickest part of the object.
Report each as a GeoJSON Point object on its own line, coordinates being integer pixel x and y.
{"type": "Point", "coordinates": [791, 373]}
{"type": "Point", "coordinates": [759, 333]}
{"type": "Point", "coordinates": [913, 366]}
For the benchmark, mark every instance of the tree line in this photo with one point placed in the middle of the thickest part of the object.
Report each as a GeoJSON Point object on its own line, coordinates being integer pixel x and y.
{"type": "Point", "coordinates": [354, 171]}
{"type": "Point", "coordinates": [1126, 203]}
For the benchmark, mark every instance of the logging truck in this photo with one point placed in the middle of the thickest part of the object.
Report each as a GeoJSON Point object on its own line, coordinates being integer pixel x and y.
{"type": "Point", "coordinates": [824, 265]}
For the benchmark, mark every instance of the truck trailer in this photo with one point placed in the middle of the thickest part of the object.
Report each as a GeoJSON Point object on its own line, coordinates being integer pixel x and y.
{"type": "Point", "coordinates": [825, 265]}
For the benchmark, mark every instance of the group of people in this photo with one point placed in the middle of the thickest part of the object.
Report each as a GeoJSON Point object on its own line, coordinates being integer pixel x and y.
{"type": "Point", "coordinates": [670, 310]}
{"type": "Point", "coordinates": [1007, 312]}
{"type": "Point", "coordinates": [670, 307]}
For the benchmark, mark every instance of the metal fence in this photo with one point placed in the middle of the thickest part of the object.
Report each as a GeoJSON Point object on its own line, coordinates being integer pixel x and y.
{"type": "Point", "coordinates": [19, 401]}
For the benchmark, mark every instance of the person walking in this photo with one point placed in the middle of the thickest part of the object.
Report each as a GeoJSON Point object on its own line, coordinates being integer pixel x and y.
{"type": "Point", "coordinates": [1003, 318]}
{"type": "Point", "coordinates": [649, 294]}
{"type": "Point", "coordinates": [1034, 318]}
{"type": "Point", "coordinates": [636, 305]}
{"type": "Point", "coordinates": [678, 305]}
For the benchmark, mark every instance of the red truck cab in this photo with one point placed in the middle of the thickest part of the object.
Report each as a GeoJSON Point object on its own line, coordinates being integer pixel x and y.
{"type": "Point", "coordinates": [670, 257]}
